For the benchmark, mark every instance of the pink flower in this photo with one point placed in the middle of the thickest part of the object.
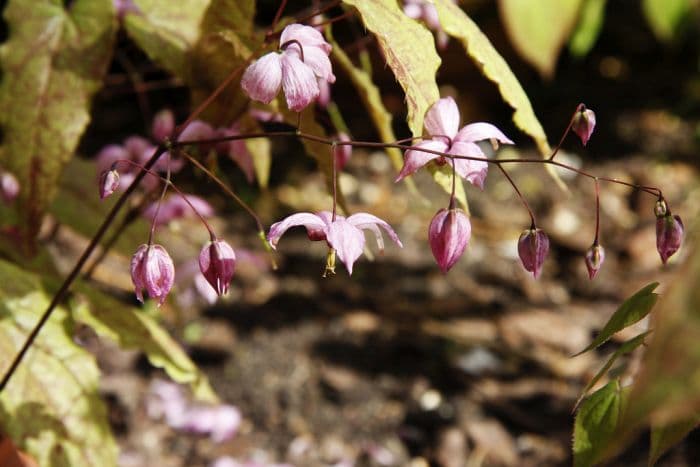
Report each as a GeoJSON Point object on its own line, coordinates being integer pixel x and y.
{"type": "Point", "coordinates": [344, 235]}
{"type": "Point", "coordinates": [669, 235]}
{"type": "Point", "coordinates": [442, 123]}
{"type": "Point", "coordinates": [217, 262]}
{"type": "Point", "coordinates": [449, 235]}
{"type": "Point", "coordinates": [425, 11]}
{"type": "Point", "coordinates": [9, 187]}
{"type": "Point", "coordinates": [583, 123]}
{"type": "Point", "coordinates": [298, 69]}
{"type": "Point", "coordinates": [163, 125]}
{"type": "Point", "coordinates": [109, 181]}
{"type": "Point", "coordinates": [152, 270]}
{"type": "Point", "coordinates": [595, 256]}
{"type": "Point", "coordinates": [533, 247]}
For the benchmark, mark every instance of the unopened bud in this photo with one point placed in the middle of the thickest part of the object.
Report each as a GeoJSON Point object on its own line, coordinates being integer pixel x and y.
{"type": "Point", "coordinates": [449, 234]}
{"type": "Point", "coordinates": [109, 181]}
{"type": "Point", "coordinates": [9, 187]}
{"type": "Point", "coordinates": [584, 123]}
{"type": "Point", "coordinates": [152, 270]}
{"type": "Point", "coordinates": [163, 125]}
{"type": "Point", "coordinates": [533, 247]}
{"type": "Point", "coordinates": [669, 235]}
{"type": "Point", "coordinates": [217, 262]}
{"type": "Point", "coordinates": [594, 260]}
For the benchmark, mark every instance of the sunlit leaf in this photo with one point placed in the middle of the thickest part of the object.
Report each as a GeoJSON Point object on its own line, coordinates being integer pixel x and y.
{"type": "Point", "coordinates": [53, 62]}
{"type": "Point", "coordinates": [588, 28]}
{"type": "Point", "coordinates": [166, 30]}
{"type": "Point", "coordinates": [632, 310]}
{"type": "Point", "coordinates": [260, 148]}
{"type": "Point", "coordinates": [596, 423]}
{"type": "Point", "coordinates": [134, 329]}
{"type": "Point", "coordinates": [51, 407]}
{"type": "Point", "coordinates": [539, 31]}
{"type": "Point", "coordinates": [664, 16]}
{"type": "Point", "coordinates": [664, 437]}
{"type": "Point", "coordinates": [409, 50]}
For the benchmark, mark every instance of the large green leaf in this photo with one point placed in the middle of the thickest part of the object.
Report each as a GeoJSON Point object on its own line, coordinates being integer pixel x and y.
{"type": "Point", "coordinates": [664, 16]}
{"type": "Point", "coordinates": [409, 50]}
{"type": "Point", "coordinates": [588, 28]}
{"type": "Point", "coordinates": [52, 63]}
{"type": "Point", "coordinates": [538, 32]}
{"type": "Point", "coordinates": [51, 407]}
{"type": "Point", "coordinates": [167, 30]}
{"type": "Point", "coordinates": [632, 310]}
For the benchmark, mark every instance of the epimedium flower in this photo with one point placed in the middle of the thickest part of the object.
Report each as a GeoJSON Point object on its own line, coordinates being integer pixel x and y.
{"type": "Point", "coordinates": [669, 235]}
{"type": "Point", "coordinates": [449, 234]}
{"type": "Point", "coordinates": [533, 247]}
{"type": "Point", "coordinates": [298, 69]}
{"type": "Point", "coordinates": [217, 262]}
{"type": "Point", "coordinates": [595, 256]}
{"type": "Point", "coordinates": [426, 11]}
{"type": "Point", "coordinates": [152, 270]}
{"type": "Point", "coordinates": [442, 124]}
{"type": "Point", "coordinates": [109, 181]}
{"type": "Point", "coordinates": [343, 235]}
{"type": "Point", "coordinates": [583, 123]}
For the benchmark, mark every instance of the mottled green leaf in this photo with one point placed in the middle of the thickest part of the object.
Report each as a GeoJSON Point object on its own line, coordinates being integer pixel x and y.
{"type": "Point", "coordinates": [51, 407]}
{"type": "Point", "coordinates": [409, 50]}
{"type": "Point", "coordinates": [52, 63]}
{"type": "Point", "coordinates": [596, 423]}
{"type": "Point", "coordinates": [167, 30]}
{"type": "Point", "coordinates": [632, 310]}
{"type": "Point", "coordinates": [664, 437]}
{"type": "Point", "coordinates": [135, 329]}
{"type": "Point", "coordinates": [538, 32]}
{"type": "Point", "coordinates": [664, 16]}
{"type": "Point", "coordinates": [588, 28]}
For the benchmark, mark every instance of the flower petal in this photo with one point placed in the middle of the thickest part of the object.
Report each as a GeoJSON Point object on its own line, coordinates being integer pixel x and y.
{"type": "Point", "coordinates": [308, 220]}
{"type": "Point", "coordinates": [319, 62]}
{"type": "Point", "coordinates": [480, 131]}
{"type": "Point", "coordinates": [414, 159]}
{"type": "Point", "coordinates": [363, 220]}
{"type": "Point", "coordinates": [262, 79]}
{"type": "Point", "coordinates": [298, 81]}
{"type": "Point", "coordinates": [306, 35]}
{"type": "Point", "coordinates": [443, 118]}
{"type": "Point", "coordinates": [347, 240]}
{"type": "Point", "coordinates": [471, 170]}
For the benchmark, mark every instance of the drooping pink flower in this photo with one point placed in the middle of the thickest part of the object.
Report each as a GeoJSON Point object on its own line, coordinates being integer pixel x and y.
{"type": "Point", "coordinates": [426, 12]}
{"type": "Point", "coordinates": [9, 187]}
{"type": "Point", "coordinates": [217, 262]}
{"type": "Point", "coordinates": [584, 123]}
{"type": "Point", "coordinates": [669, 235]}
{"type": "Point", "coordinates": [163, 125]}
{"type": "Point", "coordinates": [533, 247]}
{"type": "Point", "coordinates": [595, 256]}
{"type": "Point", "coordinates": [175, 207]}
{"type": "Point", "coordinates": [449, 234]}
{"type": "Point", "coordinates": [152, 270]}
{"type": "Point", "coordinates": [109, 182]}
{"type": "Point", "coordinates": [297, 70]}
{"type": "Point", "coordinates": [442, 124]}
{"type": "Point", "coordinates": [344, 235]}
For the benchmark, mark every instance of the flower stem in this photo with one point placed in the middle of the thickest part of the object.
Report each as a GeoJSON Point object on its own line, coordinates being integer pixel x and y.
{"type": "Point", "coordinates": [579, 108]}
{"type": "Point", "coordinates": [520, 195]}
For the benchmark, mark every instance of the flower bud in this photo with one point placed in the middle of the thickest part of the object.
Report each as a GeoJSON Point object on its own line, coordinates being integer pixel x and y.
{"type": "Point", "coordinates": [9, 187]}
{"type": "Point", "coordinates": [109, 181]}
{"type": "Point", "coordinates": [163, 125]}
{"type": "Point", "coordinates": [584, 123]}
{"type": "Point", "coordinates": [594, 259]}
{"type": "Point", "coordinates": [152, 270]}
{"type": "Point", "coordinates": [449, 235]}
{"type": "Point", "coordinates": [669, 234]}
{"type": "Point", "coordinates": [217, 262]}
{"type": "Point", "coordinates": [533, 247]}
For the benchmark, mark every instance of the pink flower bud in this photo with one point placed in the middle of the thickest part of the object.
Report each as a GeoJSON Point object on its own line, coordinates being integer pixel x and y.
{"type": "Point", "coordinates": [584, 123]}
{"type": "Point", "coordinates": [163, 125]}
{"type": "Point", "coordinates": [217, 262]}
{"type": "Point", "coordinates": [449, 235]}
{"type": "Point", "coordinates": [669, 234]}
{"type": "Point", "coordinates": [152, 270]}
{"type": "Point", "coordinates": [342, 152]}
{"type": "Point", "coordinates": [533, 247]}
{"type": "Point", "coordinates": [109, 182]}
{"type": "Point", "coordinates": [9, 187]}
{"type": "Point", "coordinates": [594, 259]}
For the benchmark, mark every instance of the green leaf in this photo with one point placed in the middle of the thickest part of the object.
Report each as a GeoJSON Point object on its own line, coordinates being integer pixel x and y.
{"type": "Point", "coordinates": [167, 30]}
{"type": "Point", "coordinates": [260, 149]}
{"type": "Point", "coordinates": [588, 28]}
{"type": "Point", "coordinates": [664, 437]}
{"type": "Point", "coordinates": [409, 50]}
{"type": "Point", "coordinates": [664, 16]}
{"type": "Point", "coordinates": [596, 422]}
{"type": "Point", "coordinates": [53, 63]}
{"type": "Point", "coordinates": [233, 15]}
{"type": "Point", "coordinates": [51, 407]}
{"type": "Point", "coordinates": [632, 310]}
{"type": "Point", "coordinates": [131, 328]}
{"type": "Point", "coordinates": [539, 32]}
{"type": "Point", "coordinates": [625, 348]}
{"type": "Point", "coordinates": [458, 25]}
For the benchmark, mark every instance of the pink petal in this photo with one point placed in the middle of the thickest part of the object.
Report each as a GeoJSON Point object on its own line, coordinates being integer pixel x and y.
{"type": "Point", "coordinates": [480, 131]}
{"type": "Point", "coordinates": [412, 10]}
{"type": "Point", "coordinates": [414, 159]}
{"type": "Point", "coordinates": [318, 61]}
{"type": "Point", "coordinates": [347, 240]}
{"type": "Point", "coordinates": [363, 220]}
{"type": "Point", "coordinates": [442, 118]}
{"type": "Point", "coordinates": [298, 81]}
{"type": "Point", "coordinates": [306, 35]}
{"type": "Point", "coordinates": [471, 170]}
{"type": "Point", "coordinates": [262, 79]}
{"type": "Point", "coordinates": [308, 220]}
